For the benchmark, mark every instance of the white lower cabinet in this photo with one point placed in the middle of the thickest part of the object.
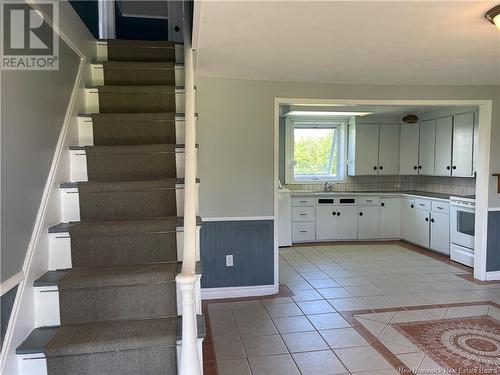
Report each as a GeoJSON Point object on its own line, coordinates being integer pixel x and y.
{"type": "Point", "coordinates": [368, 220]}
{"type": "Point", "coordinates": [421, 227]}
{"type": "Point", "coordinates": [440, 232]}
{"type": "Point", "coordinates": [326, 219]}
{"type": "Point", "coordinates": [347, 223]}
{"type": "Point", "coordinates": [408, 219]}
{"type": "Point", "coordinates": [303, 232]}
{"type": "Point", "coordinates": [422, 221]}
{"type": "Point", "coordinates": [390, 213]}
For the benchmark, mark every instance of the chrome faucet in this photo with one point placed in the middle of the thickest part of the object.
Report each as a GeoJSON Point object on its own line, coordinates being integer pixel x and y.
{"type": "Point", "coordinates": [328, 187]}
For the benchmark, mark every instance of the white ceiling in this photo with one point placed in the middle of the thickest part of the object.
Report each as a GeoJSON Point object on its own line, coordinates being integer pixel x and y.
{"type": "Point", "coordinates": [349, 42]}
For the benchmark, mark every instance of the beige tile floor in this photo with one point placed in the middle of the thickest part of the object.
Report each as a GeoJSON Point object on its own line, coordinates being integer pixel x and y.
{"type": "Point", "coordinates": [306, 333]}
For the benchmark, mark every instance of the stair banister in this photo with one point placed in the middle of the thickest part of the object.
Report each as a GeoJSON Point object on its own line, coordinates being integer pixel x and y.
{"type": "Point", "coordinates": [189, 363]}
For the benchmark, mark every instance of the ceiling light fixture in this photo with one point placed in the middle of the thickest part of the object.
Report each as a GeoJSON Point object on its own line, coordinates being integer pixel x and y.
{"type": "Point", "coordinates": [326, 114]}
{"type": "Point", "coordinates": [493, 15]}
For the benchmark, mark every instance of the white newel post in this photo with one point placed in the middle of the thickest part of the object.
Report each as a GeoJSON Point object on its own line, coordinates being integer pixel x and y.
{"type": "Point", "coordinates": [189, 360]}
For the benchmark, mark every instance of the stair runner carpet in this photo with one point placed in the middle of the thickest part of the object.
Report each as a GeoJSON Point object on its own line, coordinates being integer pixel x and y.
{"type": "Point", "coordinates": [118, 302]}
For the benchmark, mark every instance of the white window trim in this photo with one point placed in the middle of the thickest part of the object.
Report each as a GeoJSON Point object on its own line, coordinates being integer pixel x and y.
{"type": "Point", "coordinates": [290, 125]}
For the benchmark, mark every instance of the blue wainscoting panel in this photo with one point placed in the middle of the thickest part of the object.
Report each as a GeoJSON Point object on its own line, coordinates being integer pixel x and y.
{"type": "Point", "coordinates": [6, 302]}
{"type": "Point", "coordinates": [252, 246]}
{"type": "Point", "coordinates": [493, 246]}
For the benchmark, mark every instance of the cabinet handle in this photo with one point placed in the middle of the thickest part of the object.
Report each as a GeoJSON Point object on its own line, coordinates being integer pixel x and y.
{"type": "Point", "coordinates": [303, 201]}
{"type": "Point", "coordinates": [440, 208]}
{"type": "Point", "coordinates": [381, 167]}
{"type": "Point", "coordinates": [454, 167]}
{"type": "Point", "coordinates": [334, 213]}
{"type": "Point", "coordinates": [303, 231]}
{"type": "Point", "coordinates": [374, 168]}
{"type": "Point", "coordinates": [432, 220]}
{"type": "Point", "coordinates": [419, 167]}
{"type": "Point", "coordinates": [382, 204]}
{"type": "Point", "coordinates": [303, 214]}
{"type": "Point", "coordinates": [338, 213]}
{"type": "Point", "coordinates": [412, 206]}
{"type": "Point", "coordinates": [360, 214]}
{"type": "Point", "coordinates": [415, 167]}
{"type": "Point", "coordinates": [448, 167]}
{"type": "Point", "coordinates": [426, 219]}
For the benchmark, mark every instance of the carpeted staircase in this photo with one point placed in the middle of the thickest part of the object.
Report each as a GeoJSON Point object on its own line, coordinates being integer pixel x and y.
{"type": "Point", "coordinates": [117, 304]}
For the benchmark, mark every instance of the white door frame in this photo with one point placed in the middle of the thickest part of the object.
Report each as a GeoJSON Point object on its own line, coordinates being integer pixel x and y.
{"type": "Point", "coordinates": [483, 166]}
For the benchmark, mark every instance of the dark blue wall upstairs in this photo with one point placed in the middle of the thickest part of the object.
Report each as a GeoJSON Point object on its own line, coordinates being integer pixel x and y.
{"type": "Point", "coordinates": [132, 28]}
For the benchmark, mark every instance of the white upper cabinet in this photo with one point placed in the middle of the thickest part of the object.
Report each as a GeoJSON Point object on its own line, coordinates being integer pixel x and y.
{"type": "Point", "coordinates": [427, 147]}
{"type": "Point", "coordinates": [463, 139]}
{"type": "Point", "coordinates": [444, 133]}
{"type": "Point", "coordinates": [408, 149]}
{"type": "Point", "coordinates": [363, 149]}
{"type": "Point", "coordinates": [373, 149]}
{"type": "Point", "coordinates": [388, 150]}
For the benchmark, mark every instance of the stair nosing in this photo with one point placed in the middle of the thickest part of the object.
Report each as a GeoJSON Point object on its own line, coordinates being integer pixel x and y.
{"type": "Point", "coordinates": [74, 184]}
{"type": "Point", "coordinates": [200, 322]}
{"type": "Point", "coordinates": [177, 145]}
{"type": "Point", "coordinates": [176, 65]}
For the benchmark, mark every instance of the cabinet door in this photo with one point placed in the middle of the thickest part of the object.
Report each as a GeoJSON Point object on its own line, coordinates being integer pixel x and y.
{"type": "Point", "coordinates": [408, 149]}
{"type": "Point", "coordinates": [463, 138]}
{"type": "Point", "coordinates": [408, 219]}
{"type": "Point", "coordinates": [422, 226]}
{"type": "Point", "coordinates": [427, 147]}
{"type": "Point", "coordinates": [444, 135]}
{"type": "Point", "coordinates": [368, 220]}
{"type": "Point", "coordinates": [366, 156]}
{"type": "Point", "coordinates": [440, 232]}
{"type": "Point", "coordinates": [347, 223]}
{"type": "Point", "coordinates": [326, 222]}
{"type": "Point", "coordinates": [390, 224]}
{"type": "Point", "coordinates": [388, 150]}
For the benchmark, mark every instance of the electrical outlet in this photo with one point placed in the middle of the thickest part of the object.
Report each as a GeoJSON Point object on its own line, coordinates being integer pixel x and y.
{"type": "Point", "coordinates": [229, 260]}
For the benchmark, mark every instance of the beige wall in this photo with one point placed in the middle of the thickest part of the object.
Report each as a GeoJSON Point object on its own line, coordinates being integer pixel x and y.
{"type": "Point", "coordinates": [235, 132]}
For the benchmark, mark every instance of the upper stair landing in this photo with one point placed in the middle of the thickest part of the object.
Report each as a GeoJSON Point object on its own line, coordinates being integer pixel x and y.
{"type": "Point", "coordinates": [133, 50]}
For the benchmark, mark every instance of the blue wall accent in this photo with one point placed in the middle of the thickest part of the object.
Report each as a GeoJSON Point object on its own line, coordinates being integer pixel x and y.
{"type": "Point", "coordinates": [252, 246]}
{"type": "Point", "coordinates": [6, 301]}
{"type": "Point", "coordinates": [139, 28]}
{"type": "Point", "coordinates": [88, 12]}
{"type": "Point", "coordinates": [493, 246]}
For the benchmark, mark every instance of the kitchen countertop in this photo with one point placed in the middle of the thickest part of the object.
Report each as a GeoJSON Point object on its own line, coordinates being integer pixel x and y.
{"type": "Point", "coordinates": [415, 193]}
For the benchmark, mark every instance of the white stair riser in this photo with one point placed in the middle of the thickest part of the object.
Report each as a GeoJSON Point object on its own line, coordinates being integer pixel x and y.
{"type": "Point", "coordinates": [97, 73]}
{"type": "Point", "coordinates": [102, 52]}
{"type": "Point", "coordinates": [70, 204]}
{"type": "Point", "coordinates": [78, 160]}
{"type": "Point", "coordinates": [60, 249]}
{"type": "Point", "coordinates": [92, 101]}
{"type": "Point", "coordinates": [86, 137]}
{"type": "Point", "coordinates": [36, 364]}
{"type": "Point", "coordinates": [47, 304]}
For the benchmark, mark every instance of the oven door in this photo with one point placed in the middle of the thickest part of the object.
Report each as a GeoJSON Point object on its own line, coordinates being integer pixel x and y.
{"type": "Point", "coordinates": [462, 222]}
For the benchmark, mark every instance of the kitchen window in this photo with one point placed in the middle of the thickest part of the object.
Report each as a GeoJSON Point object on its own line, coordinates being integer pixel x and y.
{"type": "Point", "coordinates": [314, 152]}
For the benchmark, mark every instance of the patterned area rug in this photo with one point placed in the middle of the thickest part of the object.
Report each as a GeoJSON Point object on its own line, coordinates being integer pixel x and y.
{"type": "Point", "coordinates": [464, 345]}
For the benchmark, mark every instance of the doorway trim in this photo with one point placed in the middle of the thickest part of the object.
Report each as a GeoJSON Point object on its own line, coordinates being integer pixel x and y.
{"type": "Point", "coordinates": [482, 178]}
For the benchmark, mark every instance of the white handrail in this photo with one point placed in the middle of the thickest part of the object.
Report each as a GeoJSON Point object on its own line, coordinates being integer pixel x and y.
{"type": "Point", "coordinates": [189, 363]}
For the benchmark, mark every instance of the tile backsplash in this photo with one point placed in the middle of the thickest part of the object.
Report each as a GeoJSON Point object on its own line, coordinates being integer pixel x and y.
{"type": "Point", "coordinates": [433, 184]}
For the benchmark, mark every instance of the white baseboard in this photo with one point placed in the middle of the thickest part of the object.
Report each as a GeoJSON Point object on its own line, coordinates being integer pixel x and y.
{"type": "Point", "coordinates": [493, 275]}
{"type": "Point", "coordinates": [238, 292]}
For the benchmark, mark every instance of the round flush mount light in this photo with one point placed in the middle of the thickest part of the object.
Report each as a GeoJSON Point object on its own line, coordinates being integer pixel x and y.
{"type": "Point", "coordinates": [493, 15]}
{"type": "Point", "coordinates": [410, 119]}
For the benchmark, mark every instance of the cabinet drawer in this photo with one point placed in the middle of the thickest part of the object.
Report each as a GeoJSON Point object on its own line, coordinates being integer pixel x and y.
{"type": "Point", "coordinates": [303, 232]}
{"type": "Point", "coordinates": [302, 201]}
{"type": "Point", "coordinates": [368, 201]}
{"type": "Point", "coordinates": [442, 207]}
{"type": "Point", "coordinates": [423, 204]}
{"type": "Point", "coordinates": [303, 214]}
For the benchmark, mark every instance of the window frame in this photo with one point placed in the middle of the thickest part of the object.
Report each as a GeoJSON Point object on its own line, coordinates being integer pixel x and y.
{"type": "Point", "coordinates": [290, 126]}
